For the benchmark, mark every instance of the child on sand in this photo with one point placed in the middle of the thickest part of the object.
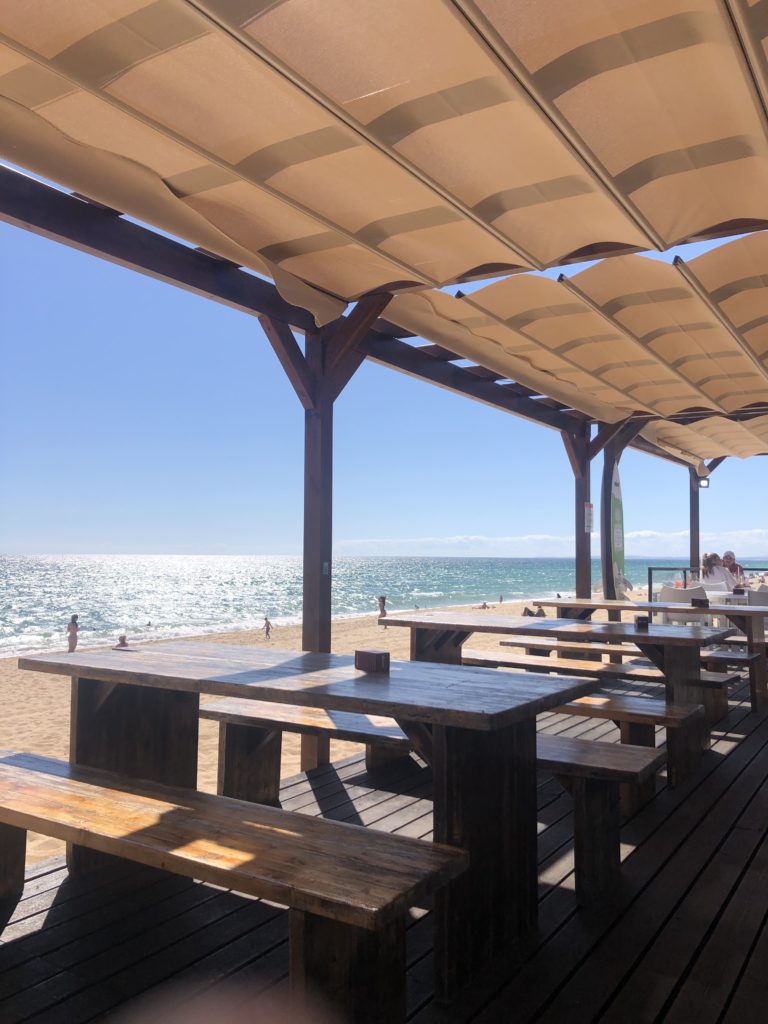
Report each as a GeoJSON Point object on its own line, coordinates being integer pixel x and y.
{"type": "Point", "coordinates": [72, 629]}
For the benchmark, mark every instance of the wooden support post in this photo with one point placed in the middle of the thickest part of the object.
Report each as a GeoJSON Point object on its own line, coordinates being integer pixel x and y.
{"type": "Point", "coordinates": [577, 449]}
{"type": "Point", "coordinates": [695, 530]}
{"type": "Point", "coordinates": [610, 459]}
{"type": "Point", "coordinates": [249, 763]}
{"type": "Point", "coordinates": [612, 452]}
{"type": "Point", "coordinates": [318, 511]}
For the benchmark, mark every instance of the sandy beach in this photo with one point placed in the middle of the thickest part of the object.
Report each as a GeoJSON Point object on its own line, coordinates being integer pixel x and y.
{"type": "Point", "coordinates": [36, 705]}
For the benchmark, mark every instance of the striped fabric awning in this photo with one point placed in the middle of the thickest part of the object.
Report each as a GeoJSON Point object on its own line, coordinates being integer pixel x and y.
{"type": "Point", "coordinates": [351, 146]}
{"type": "Point", "coordinates": [345, 147]}
{"type": "Point", "coordinates": [631, 336]}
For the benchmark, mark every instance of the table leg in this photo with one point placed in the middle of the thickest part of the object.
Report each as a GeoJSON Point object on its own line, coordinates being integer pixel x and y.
{"type": "Point", "coordinates": [485, 803]}
{"type": "Point", "coordinates": [136, 731]}
{"type": "Point", "coordinates": [682, 674]}
{"type": "Point", "coordinates": [758, 674]}
{"type": "Point", "coordinates": [443, 646]}
{"type": "Point", "coordinates": [249, 763]}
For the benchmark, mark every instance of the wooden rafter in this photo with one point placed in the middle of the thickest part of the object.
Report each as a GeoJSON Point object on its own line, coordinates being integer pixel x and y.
{"type": "Point", "coordinates": [606, 432]}
{"type": "Point", "coordinates": [291, 358]}
{"type": "Point", "coordinates": [94, 229]}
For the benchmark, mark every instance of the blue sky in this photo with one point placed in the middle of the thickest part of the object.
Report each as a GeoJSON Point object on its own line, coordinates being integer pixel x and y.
{"type": "Point", "coordinates": [135, 417]}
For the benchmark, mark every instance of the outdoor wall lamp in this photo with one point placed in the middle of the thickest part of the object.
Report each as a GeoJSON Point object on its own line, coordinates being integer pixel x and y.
{"type": "Point", "coordinates": [704, 481]}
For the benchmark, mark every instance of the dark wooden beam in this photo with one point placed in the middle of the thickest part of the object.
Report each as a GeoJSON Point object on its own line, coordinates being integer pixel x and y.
{"type": "Point", "coordinates": [291, 359]}
{"type": "Point", "coordinates": [408, 358]}
{"type": "Point", "coordinates": [714, 463]}
{"type": "Point", "coordinates": [46, 211]}
{"type": "Point", "coordinates": [694, 527]}
{"type": "Point", "coordinates": [605, 432]}
{"type": "Point", "coordinates": [347, 332]}
{"type": "Point", "coordinates": [343, 353]}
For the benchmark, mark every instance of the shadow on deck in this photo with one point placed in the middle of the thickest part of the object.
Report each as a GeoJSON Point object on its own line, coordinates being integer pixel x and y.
{"type": "Point", "coordinates": [685, 940]}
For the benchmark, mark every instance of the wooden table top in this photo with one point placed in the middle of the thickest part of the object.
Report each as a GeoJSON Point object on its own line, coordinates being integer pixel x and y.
{"type": "Point", "coordinates": [472, 698]}
{"type": "Point", "coordinates": [576, 603]}
{"type": "Point", "coordinates": [694, 635]}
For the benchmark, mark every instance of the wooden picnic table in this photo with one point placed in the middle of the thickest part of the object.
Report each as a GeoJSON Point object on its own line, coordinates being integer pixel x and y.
{"type": "Point", "coordinates": [135, 712]}
{"type": "Point", "coordinates": [438, 636]}
{"type": "Point", "coordinates": [750, 619]}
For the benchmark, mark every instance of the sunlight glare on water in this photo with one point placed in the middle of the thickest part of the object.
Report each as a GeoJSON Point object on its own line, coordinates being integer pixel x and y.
{"type": "Point", "coordinates": [156, 596]}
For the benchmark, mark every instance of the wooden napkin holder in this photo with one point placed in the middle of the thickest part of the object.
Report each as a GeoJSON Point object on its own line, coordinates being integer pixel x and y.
{"type": "Point", "coordinates": [372, 661]}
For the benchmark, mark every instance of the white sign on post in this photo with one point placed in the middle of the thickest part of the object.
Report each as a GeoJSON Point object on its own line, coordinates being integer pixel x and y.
{"type": "Point", "coordinates": [588, 517]}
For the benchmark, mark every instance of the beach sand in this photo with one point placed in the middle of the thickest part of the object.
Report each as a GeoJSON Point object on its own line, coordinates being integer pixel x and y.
{"type": "Point", "coordinates": [36, 705]}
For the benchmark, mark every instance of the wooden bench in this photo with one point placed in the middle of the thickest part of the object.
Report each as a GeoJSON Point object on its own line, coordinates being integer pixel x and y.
{"type": "Point", "coordinates": [592, 772]}
{"type": "Point", "coordinates": [530, 643]}
{"type": "Point", "coordinates": [714, 684]}
{"type": "Point", "coordinates": [637, 719]}
{"type": "Point", "coordinates": [250, 741]}
{"type": "Point", "coordinates": [725, 658]}
{"type": "Point", "coordinates": [348, 888]}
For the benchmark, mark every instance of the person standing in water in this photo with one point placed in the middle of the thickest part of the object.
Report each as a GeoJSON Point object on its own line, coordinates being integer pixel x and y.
{"type": "Point", "coordinates": [72, 630]}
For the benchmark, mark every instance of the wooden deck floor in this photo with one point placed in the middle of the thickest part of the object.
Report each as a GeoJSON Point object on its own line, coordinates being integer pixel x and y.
{"type": "Point", "coordinates": [686, 941]}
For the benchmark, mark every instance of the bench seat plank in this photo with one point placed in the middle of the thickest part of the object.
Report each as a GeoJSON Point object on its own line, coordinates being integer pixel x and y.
{"type": "Point", "coordinates": [571, 647]}
{"type": "Point", "coordinates": [331, 869]}
{"type": "Point", "coordinates": [727, 657]}
{"type": "Point", "coordinates": [632, 709]}
{"type": "Point", "coordinates": [344, 725]}
{"type": "Point", "coordinates": [639, 670]}
{"type": "Point", "coordinates": [591, 759]}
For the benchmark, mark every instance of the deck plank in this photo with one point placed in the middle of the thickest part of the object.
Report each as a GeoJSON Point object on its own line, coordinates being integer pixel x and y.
{"type": "Point", "coordinates": [686, 940]}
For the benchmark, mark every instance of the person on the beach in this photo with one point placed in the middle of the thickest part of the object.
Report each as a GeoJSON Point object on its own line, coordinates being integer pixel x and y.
{"type": "Point", "coordinates": [72, 629]}
{"type": "Point", "coordinates": [484, 605]}
{"type": "Point", "coordinates": [713, 571]}
{"type": "Point", "coordinates": [730, 563]}
{"type": "Point", "coordinates": [122, 641]}
{"type": "Point", "coordinates": [267, 627]}
{"type": "Point", "coordinates": [501, 598]}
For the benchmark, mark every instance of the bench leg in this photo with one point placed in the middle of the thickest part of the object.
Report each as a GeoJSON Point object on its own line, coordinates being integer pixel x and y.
{"type": "Point", "coordinates": [315, 750]}
{"type": "Point", "coordinates": [358, 972]}
{"type": "Point", "coordinates": [683, 752]}
{"type": "Point", "coordinates": [13, 846]}
{"type": "Point", "coordinates": [380, 755]}
{"type": "Point", "coordinates": [635, 795]}
{"type": "Point", "coordinates": [596, 828]}
{"type": "Point", "coordinates": [249, 763]}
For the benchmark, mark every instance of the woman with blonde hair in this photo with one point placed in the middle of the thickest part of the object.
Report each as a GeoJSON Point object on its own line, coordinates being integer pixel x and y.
{"type": "Point", "coordinates": [713, 571]}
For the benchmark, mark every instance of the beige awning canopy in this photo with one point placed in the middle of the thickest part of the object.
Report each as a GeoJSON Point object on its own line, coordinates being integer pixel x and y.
{"type": "Point", "coordinates": [631, 336]}
{"type": "Point", "coordinates": [351, 146]}
{"type": "Point", "coordinates": [356, 146]}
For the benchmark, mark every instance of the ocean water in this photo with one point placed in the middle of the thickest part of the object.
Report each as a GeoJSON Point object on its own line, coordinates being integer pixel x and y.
{"type": "Point", "coordinates": [157, 596]}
